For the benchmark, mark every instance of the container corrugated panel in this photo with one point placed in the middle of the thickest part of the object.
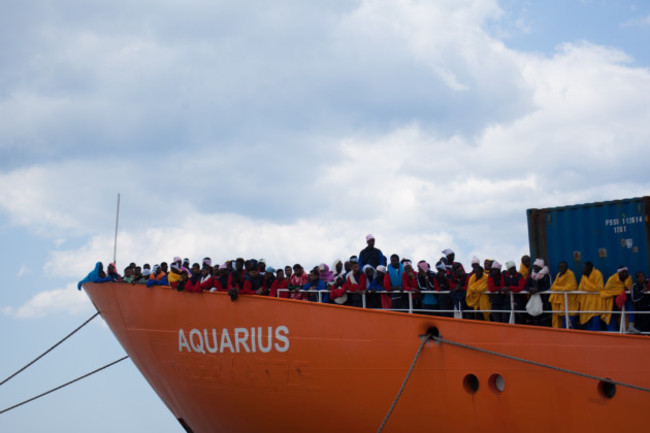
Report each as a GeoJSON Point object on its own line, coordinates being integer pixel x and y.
{"type": "Point", "coordinates": [608, 234]}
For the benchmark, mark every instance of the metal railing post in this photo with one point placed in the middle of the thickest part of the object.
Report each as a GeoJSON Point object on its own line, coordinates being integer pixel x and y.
{"type": "Point", "coordinates": [567, 323]}
{"type": "Point", "coordinates": [512, 308]}
{"type": "Point", "coordinates": [410, 302]}
{"type": "Point", "coordinates": [363, 300]}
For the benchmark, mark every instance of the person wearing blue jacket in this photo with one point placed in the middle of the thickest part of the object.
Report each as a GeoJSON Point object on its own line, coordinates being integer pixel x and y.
{"type": "Point", "coordinates": [97, 275]}
{"type": "Point", "coordinates": [371, 255]}
{"type": "Point", "coordinates": [315, 283]}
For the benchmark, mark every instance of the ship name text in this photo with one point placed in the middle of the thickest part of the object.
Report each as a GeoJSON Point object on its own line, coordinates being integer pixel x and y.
{"type": "Point", "coordinates": [238, 340]}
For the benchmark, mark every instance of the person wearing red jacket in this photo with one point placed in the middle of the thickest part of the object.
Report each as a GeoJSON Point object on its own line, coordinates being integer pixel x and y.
{"type": "Point", "coordinates": [280, 282]}
{"type": "Point", "coordinates": [499, 298]}
{"type": "Point", "coordinates": [514, 283]}
{"type": "Point", "coordinates": [410, 283]}
{"type": "Point", "coordinates": [239, 286]}
{"type": "Point", "coordinates": [352, 284]}
{"type": "Point", "coordinates": [458, 286]}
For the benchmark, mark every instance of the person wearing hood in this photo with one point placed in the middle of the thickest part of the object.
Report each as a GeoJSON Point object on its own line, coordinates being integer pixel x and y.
{"type": "Point", "coordinates": [111, 272]}
{"type": "Point", "coordinates": [499, 297]}
{"type": "Point", "coordinates": [591, 281]}
{"type": "Point", "coordinates": [338, 269]}
{"type": "Point", "coordinates": [352, 285]}
{"type": "Point", "coordinates": [298, 279]}
{"type": "Point", "coordinates": [325, 274]}
{"type": "Point", "coordinates": [524, 267]}
{"type": "Point", "coordinates": [476, 288]}
{"type": "Point", "coordinates": [425, 282]}
{"type": "Point", "coordinates": [370, 287]}
{"type": "Point", "coordinates": [269, 277]}
{"type": "Point", "coordinates": [443, 283]}
{"type": "Point", "coordinates": [174, 275]}
{"type": "Point", "coordinates": [158, 277]}
{"type": "Point", "coordinates": [449, 260]}
{"type": "Point", "coordinates": [458, 284]}
{"type": "Point", "coordinates": [515, 284]}
{"type": "Point", "coordinates": [565, 281]}
{"type": "Point", "coordinates": [97, 275]}
{"type": "Point", "coordinates": [540, 281]}
{"type": "Point", "coordinates": [371, 255]}
{"type": "Point", "coordinates": [614, 297]}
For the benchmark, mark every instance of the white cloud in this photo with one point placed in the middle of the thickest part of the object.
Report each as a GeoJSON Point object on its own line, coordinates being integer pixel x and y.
{"type": "Point", "coordinates": [24, 269]}
{"type": "Point", "coordinates": [637, 22]}
{"type": "Point", "coordinates": [408, 119]}
{"type": "Point", "coordinates": [68, 301]}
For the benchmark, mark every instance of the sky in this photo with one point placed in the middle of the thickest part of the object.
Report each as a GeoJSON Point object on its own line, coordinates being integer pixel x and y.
{"type": "Point", "coordinates": [286, 130]}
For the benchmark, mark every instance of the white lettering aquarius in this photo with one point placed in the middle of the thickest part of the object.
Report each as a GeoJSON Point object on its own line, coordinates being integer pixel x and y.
{"type": "Point", "coordinates": [279, 331]}
{"type": "Point", "coordinates": [214, 349]}
{"type": "Point", "coordinates": [182, 341]}
{"type": "Point", "coordinates": [225, 341]}
{"type": "Point", "coordinates": [241, 340]}
{"type": "Point", "coordinates": [260, 340]}
{"type": "Point", "coordinates": [197, 347]}
{"type": "Point", "coordinates": [238, 340]}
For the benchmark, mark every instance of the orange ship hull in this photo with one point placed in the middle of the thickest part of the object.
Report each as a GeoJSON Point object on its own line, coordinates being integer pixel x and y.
{"type": "Point", "coordinates": [290, 366]}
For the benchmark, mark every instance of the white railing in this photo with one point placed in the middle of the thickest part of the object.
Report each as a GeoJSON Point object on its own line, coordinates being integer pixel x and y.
{"type": "Point", "coordinates": [457, 313]}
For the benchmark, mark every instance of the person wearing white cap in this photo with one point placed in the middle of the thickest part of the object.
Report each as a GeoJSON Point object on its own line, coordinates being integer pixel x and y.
{"type": "Point", "coordinates": [515, 283]}
{"type": "Point", "coordinates": [540, 281]}
{"type": "Point", "coordinates": [370, 255]}
{"type": "Point", "coordinates": [476, 288]}
{"type": "Point", "coordinates": [615, 289]}
{"type": "Point", "coordinates": [448, 260]}
{"type": "Point", "coordinates": [499, 300]}
{"type": "Point", "coordinates": [565, 281]}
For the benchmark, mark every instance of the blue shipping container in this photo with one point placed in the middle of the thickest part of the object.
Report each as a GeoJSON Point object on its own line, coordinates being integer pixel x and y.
{"type": "Point", "coordinates": [608, 234]}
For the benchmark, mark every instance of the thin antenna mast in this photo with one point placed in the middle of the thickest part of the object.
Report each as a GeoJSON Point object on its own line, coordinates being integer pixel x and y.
{"type": "Point", "coordinates": [117, 220]}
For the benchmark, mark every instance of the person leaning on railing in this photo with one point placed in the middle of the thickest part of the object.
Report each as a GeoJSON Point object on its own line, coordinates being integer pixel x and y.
{"type": "Point", "coordinates": [641, 298]}
{"type": "Point", "coordinates": [614, 297]}
{"type": "Point", "coordinates": [565, 281]}
{"type": "Point", "coordinates": [540, 281]}
{"type": "Point", "coordinates": [591, 281]}
{"type": "Point", "coordinates": [476, 288]}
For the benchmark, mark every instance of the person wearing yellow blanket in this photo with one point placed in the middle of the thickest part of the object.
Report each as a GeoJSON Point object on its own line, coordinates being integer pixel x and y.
{"type": "Point", "coordinates": [591, 281]}
{"type": "Point", "coordinates": [565, 281]}
{"type": "Point", "coordinates": [617, 284]}
{"type": "Point", "coordinates": [476, 286]}
{"type": "Point", "coordinates": [524, 268]}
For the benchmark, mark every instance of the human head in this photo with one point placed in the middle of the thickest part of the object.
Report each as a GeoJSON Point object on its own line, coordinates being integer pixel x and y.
{"type": "Point", "coordinates": [288, 271]}
{"type": "Point", "coordinates": [279, 274]}
{"type": "Point", "coordinates": [338, 266]}
{"type": "Point", "coordinates": [239, 264]}
{"type": "Point", "coordinates": [347, 266]}
{"type": "Point", "coordinates": [196, 269]}
{"type": "Point", "coordinates": [394, 261]}
{"type": "Point", "coordinates": [369, 271]}
{"type": "Point", "coordinates": [254, 271]}
{"type": "Point", "coordinates": [525, 260]}
{"type": "Point", "coordinates": [587, 268]}
{"type": "Point", "coordinates": [423, 266]}
{"type": "Point", "coordinates": [163, 266]}
{"type": "Point", "coordinates": [623, 272]}
{"type": "Point", "coordinates": [381, 271]}
{"type": "Point", "coordinates": [511, 267]}
{"type": "Point", "coordinates": [640, 278]}
{"type": "Point", "coordinates": [314, 275]}
{"type": "Point", "coordinates": [370, 240]}
{"type": "Point", "coordinates": [450, 255]}
{"type": "Point", "coordinates": [538, 265]}
{"type": "Point", "coordinates": [128, 271]}
{"type": "Point", "coordinates": [495, 268]}
{"type": "Point", "coordinates": [297, 269]}
{"type": "Point", "coordinates": [562, 267]}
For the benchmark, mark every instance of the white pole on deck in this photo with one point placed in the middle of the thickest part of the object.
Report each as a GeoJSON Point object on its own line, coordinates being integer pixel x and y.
{"type": "Point", "coordinates": [117, 220]}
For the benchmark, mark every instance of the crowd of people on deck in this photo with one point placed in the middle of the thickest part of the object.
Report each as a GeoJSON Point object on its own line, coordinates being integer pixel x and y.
{"type": "Point", "coordinates": [489, 291]}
